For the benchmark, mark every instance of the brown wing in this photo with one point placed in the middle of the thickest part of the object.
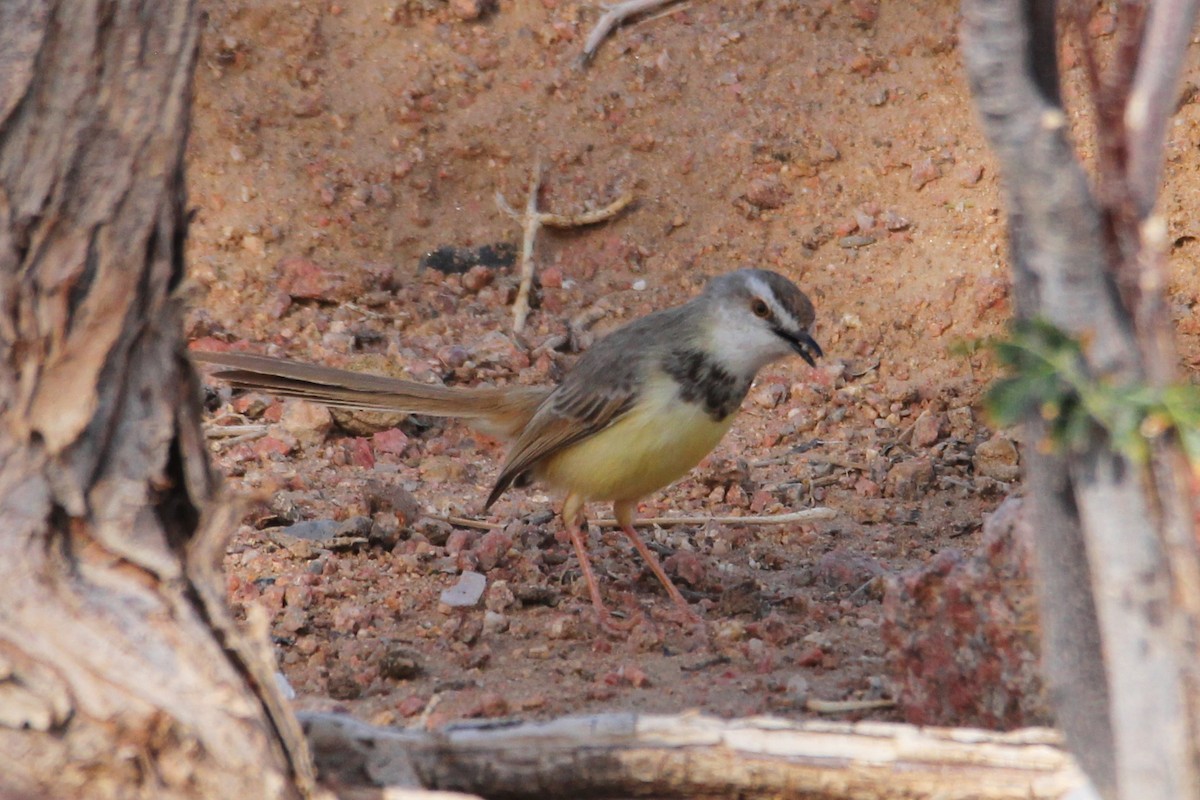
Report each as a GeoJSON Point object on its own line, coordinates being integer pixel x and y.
{"type": "Point", "coordinates": [564, 419]}
{"type": "Point", "coordinates": [595, 394]}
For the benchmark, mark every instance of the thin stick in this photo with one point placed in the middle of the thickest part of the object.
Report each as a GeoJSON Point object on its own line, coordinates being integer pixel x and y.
{"type": "Point", "coordinates": [611, 19]}
{"type": "Point", "coordinates": [818, 706]}
{"type": "Point", "coordinates": [228, 431]}
{"type": "Point", "coordinates": [530, 223]}
{"type": "Point", "coordinates": [466, 522]}
{"type": "Point", "coordinates": [532, 220]}
{"type": "Point", "coordinates": [807, 515]}
{"type": "Point", "coordinates": [587, 217]}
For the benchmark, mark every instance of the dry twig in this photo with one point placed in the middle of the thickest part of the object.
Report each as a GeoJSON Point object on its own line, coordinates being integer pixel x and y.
{"type": "Point", "coordinates": [532, 219]}
{"type": "Point", "coordinates": [807, 515]}
{"type": "Point", "coordinates": [614, 16]}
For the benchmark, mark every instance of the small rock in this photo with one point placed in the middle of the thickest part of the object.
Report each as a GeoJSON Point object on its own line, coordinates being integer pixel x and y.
{"type": "Point", "coordinates": [467, 10]}
{"type": "Point", "coordinates": [306, 280]}
{"type": "Point", "coordinates": [811, 656]}
{"type": "Point", "coordinates": [770, 396]}
{"type": "Point", "coordinates": [796, 689]}
{"type": "Point", "coordinates": [314, 530]}
{"type": "Point", "coordinates": [855, 242]}
{"type": "Point", "coordinates": [923, 172]}
{"type": "Point", "coordinates": [392, 441]}
{"type": "Point", "coordinates": [442, 469]}
{"type": "Point", "coordinates": [551, 278]}
{"type": "Point", "coordinates": [894, 222]}
{"type": "Point", "coordinates": [466, 592]}
{"type": "Point", "coordinates": [401, 664]}
{"type": "Point", "coordinates": [743, 598]}
{"type": "Point", "coordinates": [685, 565]}
{"type": "Point", "coordinates": [908, 479]}
{"type": "Point", "coordinates": [492, 548]}
{"type": "Point", "coordinates": [767, 192]}
{"type": "Point", "coordinates": [826, 152]}
{"type": "Point", "coordinates": [385, 530]}
{"type": "Point", "coordinates": [477, 277]}
{"type": "Point", "coordinates": [842, 569]}
{"type": "Point", "coordinates": [457, 260]}
{"type": "Point", "coordinates": [359, 422]}
{"type": "Point", "coordinates": [499, 597]}
{"type": "Point", "coordinates": [969, 175]}
{"type": "Point", "coordinates": [562, 627]}
{"type": "Point", "coordinates": [494, 623]}
{"type": "Point", "coordinates": [997, 458]}
{"type": "Point", "coordinates": [308, 423]}
{"type": "Point", "coordinates": [962, 422]}
{"type": "Point", "coordinates": [728, 631]}
{"type": "Point", "coordinates": [458, 541]}
{"type": "Point", "coordinates": [395, 500]}
{"type": "Point", "coordinates": [357, 526]}
{"type": "Point", "coordinates": [927, 428]}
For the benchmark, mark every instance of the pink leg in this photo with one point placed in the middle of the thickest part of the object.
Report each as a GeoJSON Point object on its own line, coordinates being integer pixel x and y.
{"type": "Point", "coordinates": [624, 514]}
{"type": "Point", "coordinates": [572, 516]}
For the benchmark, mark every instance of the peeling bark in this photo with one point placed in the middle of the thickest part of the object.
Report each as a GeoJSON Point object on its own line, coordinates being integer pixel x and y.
{"type": "Point", "coordinates": [120, 671]}
{"type": "Point", "coordinates": [1116, 558]}
{"type": "Point", "coordinates": [693, 756]}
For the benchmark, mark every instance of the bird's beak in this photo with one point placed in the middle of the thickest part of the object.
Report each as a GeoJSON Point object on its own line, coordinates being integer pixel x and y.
{"type": "Point", "coordinates": [805, 345]}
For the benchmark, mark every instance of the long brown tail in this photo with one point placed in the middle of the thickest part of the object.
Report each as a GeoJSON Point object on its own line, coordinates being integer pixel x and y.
{"type": "Point", "coordinates": [500, 411]}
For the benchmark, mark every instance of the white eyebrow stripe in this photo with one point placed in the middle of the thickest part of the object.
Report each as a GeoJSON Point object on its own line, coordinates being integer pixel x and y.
{"type": "Point", "coordinates": [763, 290]}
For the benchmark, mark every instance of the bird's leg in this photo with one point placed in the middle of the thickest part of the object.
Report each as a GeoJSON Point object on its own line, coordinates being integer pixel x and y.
{"type": "Point", "coordinates": [573, 518]}
{"type": "Point", "coordinates": [623, 511]}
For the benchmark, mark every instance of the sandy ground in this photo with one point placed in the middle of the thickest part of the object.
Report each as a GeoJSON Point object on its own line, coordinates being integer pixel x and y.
{"type": "Point", "coordinates": [335, 145]}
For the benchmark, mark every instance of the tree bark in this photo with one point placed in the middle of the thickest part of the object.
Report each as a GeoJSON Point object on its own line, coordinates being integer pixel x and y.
{"type": "Point", "coordinates": [121, 674]}
{"type": "Point", "coordinates": [1115, 553]}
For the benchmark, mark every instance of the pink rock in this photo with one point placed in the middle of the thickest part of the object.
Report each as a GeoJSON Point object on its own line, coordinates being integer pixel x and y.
{"type": "Point", "coordinates": [301, 278]}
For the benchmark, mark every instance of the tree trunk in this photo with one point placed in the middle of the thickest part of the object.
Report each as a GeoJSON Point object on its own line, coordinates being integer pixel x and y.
{"type": "Point", "coordinates": [121, 674]}
{"type": "Point", "coordinates": [1115, 551]}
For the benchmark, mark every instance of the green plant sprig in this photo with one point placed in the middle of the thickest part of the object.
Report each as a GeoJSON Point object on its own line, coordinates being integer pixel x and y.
{"type": "Point", "coordinates": [1047, 373]}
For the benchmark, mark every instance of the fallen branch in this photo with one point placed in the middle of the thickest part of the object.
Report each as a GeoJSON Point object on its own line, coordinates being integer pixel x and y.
{"type": "Point", "coordinates": [691, 755]}
{"type": "Point", "coordinates": [807, 515]}
{"type": "Point", "coordinates": [532, 220]}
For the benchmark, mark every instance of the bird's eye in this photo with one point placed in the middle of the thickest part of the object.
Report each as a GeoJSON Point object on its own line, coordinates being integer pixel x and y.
{"type": "Point", "coordinates": [760, 308]}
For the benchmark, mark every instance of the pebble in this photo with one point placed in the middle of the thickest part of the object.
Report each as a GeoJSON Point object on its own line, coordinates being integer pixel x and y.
{"type": "Point", "coordinates": [767, 192]}
{"type": "Point", "coordinates": [303, 278]}
{"type": "Point", "coordinates": [401, 664]}
{"type": "Point", "coordinates": [308, 423]}
{"type": "Point", "coordinates": [927, 428]}
{"type": "Point", "coordinates": [392, 441]}
{"type": "Point", "coordinates": [467, 10]}
{"type": "Point", "coordinates": [770, 395]}
{"type": "Point", "coordinates": [796, 690]}
{"type": "Point", "coordinates": [962, 422]}
{"type": "Point", "coordinates": [494, 622]}
{"type": "Point", "coordinates": [313, 530]}
{"type": "Point", "coordinates": [923, 172]}
{"type": "Point", "coordinates": [997, 458]}
{"type": "Point", "coordinates": [500, 597]}
{"type": "Point", "coordinates": [466, 592]}
{"type": "Point", "coordinates": [855, 242]}
{"type": "Point", "coordinates": [909, 479]}
{"type": "Point", "coordinates": [844, 569]}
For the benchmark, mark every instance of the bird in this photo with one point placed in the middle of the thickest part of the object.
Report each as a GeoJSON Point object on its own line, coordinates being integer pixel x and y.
{"type": "Point", "coordinates": [633, 414]}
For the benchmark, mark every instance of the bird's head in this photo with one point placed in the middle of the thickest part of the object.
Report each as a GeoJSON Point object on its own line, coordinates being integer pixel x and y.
{"type": "Point", "coordinates": [758, 317]}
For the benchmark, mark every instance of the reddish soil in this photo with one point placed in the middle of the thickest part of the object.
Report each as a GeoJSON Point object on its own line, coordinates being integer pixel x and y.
{"type": "Point", "coordinates": [335, 145]}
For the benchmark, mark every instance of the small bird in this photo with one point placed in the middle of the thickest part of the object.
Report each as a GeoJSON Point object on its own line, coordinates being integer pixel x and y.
{"type": "Point", "coordinates": [636, 411]}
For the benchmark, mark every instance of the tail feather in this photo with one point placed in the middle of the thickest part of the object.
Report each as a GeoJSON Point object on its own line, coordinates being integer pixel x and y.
{"type": "Point", "coordinates": [500, 411]}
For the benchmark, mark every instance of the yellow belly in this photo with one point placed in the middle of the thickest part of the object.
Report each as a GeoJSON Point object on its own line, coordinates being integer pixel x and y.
{"type": "Point", "coordinates": [655, 444]}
